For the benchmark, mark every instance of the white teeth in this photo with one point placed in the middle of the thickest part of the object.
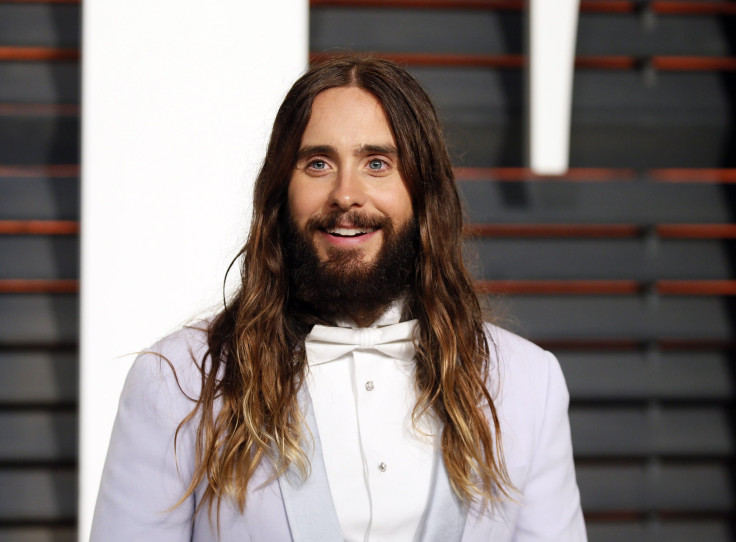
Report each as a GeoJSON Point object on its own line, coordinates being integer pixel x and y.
{"type": "Point", "coordinates": [349, 232]}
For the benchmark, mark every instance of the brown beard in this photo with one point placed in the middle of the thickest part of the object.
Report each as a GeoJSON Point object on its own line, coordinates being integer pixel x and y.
{"type": "Point", "coordinates": [344, 285]}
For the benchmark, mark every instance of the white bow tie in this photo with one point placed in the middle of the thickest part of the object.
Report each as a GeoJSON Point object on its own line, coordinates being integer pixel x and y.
{"type": "Point", "coordinates": [326, 343]}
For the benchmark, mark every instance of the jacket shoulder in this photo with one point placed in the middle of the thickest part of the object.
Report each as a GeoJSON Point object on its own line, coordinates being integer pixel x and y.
{"type": "Point", "coordinates": [516, 362]}
{"type": "Point", "coordinates": [176, 360]}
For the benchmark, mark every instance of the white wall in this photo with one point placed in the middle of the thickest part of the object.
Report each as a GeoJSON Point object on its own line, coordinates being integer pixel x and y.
{"type": "Point", "coordinates": [178, 98]}
{"type": "Point", "coordinates": [552, 35]}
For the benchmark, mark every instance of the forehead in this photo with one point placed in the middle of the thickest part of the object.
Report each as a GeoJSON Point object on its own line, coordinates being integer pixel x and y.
{"type": "Point", "coordinates": [347, 116]}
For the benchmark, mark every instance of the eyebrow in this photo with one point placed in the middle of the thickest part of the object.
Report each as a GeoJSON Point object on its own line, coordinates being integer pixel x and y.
{"type": "Point", "coordinates": [329, 150]}
{"type": "Point", "coordinates": [377, 149]}
{"type": "Point", "coordinates": [311, 150]}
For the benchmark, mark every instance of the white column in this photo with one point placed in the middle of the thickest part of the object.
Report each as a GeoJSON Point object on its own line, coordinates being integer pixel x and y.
{"type": "Point", "coordinates": [552, 32]}
{"type": "Point", "coordinates": [178, 98]}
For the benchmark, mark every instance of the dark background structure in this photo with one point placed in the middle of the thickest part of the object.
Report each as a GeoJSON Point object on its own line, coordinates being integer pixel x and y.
{"type": "Point", "coordinates": [623, 267]}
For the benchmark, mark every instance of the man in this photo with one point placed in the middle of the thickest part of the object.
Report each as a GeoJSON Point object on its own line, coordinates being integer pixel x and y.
{"type": "Point", "coordinates": [350, 390]}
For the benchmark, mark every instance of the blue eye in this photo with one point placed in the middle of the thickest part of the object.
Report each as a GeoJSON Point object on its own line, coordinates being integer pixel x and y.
{"type": "Point", "coordinates": [318, 164]}
{"type": "Point", "coordinates": [375, 164]}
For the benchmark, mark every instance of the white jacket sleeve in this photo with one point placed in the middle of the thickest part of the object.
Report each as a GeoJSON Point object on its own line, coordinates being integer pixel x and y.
{"type": "Point", "coordinates": [144, 476]}
{"type": "Point", "coordinates": [550, 508]}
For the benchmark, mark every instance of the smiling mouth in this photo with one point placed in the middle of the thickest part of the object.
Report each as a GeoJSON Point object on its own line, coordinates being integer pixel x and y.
{"type": "Point", "coordinates": [349, 232]}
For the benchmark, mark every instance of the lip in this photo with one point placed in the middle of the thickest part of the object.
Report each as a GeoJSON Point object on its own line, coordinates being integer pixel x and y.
{"type": "Point", "coordinates": [354, 241]}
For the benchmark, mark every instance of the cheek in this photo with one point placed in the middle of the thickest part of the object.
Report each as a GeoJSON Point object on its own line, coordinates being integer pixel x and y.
{"type": "Point", "coordinates": [399, 206]}
{"type": "Point", "coordinates": [302, 203]}
{"type": "Point", "coordinates": [408, 208]}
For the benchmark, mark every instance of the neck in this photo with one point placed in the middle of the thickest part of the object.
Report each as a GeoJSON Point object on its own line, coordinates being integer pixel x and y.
{"type": "Point", "coordinates": [371, 314]}
{"type": "Point", "coordinates": [365, 317]}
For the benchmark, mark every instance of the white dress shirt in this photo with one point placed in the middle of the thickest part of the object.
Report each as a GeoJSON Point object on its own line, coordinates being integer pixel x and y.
{"type": "Point", "coordinates": [378, 465]}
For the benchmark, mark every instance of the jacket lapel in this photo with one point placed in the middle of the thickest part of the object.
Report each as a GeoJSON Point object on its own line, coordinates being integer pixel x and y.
{"type": "Point", "coordinates": [444, 519]}
{"type": "Point", "coordinates": [311, 512]}
{"type": "Point", "coordinates": [308, 503]}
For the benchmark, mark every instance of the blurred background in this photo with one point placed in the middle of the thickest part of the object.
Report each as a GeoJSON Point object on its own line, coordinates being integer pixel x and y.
{"type": "Point", "coordinates": [622, 267]}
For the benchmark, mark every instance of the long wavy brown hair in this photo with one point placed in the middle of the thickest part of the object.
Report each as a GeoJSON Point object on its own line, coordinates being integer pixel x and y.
{"type": "Point", "coordinates": [248, 411]}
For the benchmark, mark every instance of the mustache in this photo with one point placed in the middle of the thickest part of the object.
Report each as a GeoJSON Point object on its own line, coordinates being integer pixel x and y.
{"type": "Point", "coordinates": [358, 219]}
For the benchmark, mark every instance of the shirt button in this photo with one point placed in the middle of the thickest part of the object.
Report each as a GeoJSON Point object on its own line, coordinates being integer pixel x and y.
{"type": "Point", "coordinates": [382, 467]}
{"type": "Point", "coordinates": [369, 385]}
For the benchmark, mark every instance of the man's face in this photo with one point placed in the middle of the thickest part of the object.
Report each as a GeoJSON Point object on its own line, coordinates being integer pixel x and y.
{"type": "Point", "coordinates": [346, 194]}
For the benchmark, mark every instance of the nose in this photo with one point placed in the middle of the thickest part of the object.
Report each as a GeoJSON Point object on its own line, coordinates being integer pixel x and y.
{"type": "Point", "coordinates": [348, 191]}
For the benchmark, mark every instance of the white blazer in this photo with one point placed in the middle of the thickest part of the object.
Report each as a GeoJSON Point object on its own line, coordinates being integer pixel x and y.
{"type": "Point", "coordinates": [144, 476]}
